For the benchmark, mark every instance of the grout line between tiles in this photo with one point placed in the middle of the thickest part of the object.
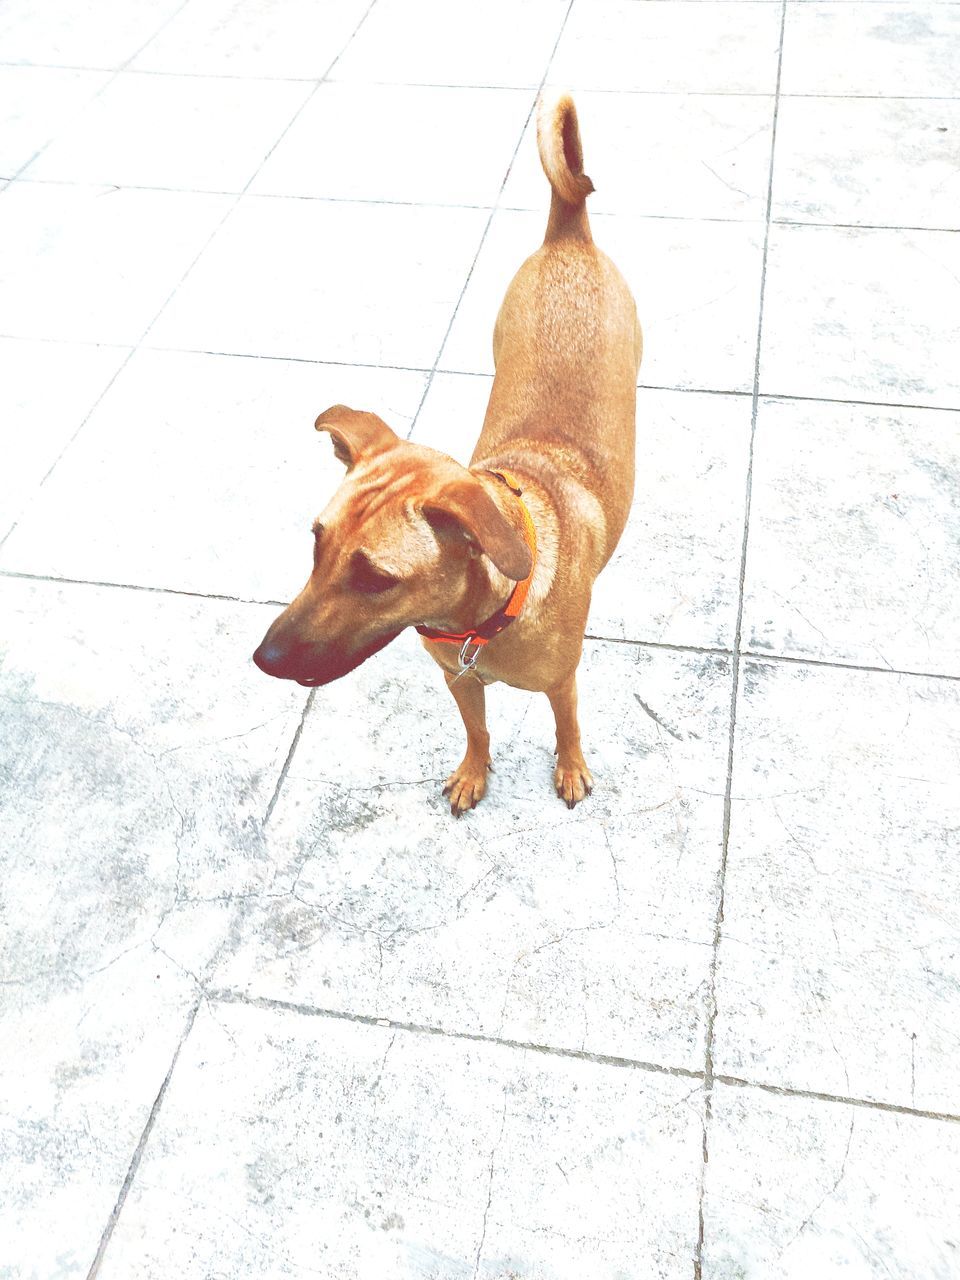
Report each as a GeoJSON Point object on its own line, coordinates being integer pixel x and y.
{"type": "Point", "coordinates": [783, 396]}
{"type": "Point", "coordinates": [486, 229]}
{"type": "Point", "coordinates": [138, 1153]}
{"type": "Point", "coordinates": [847, 666]}
{"type": "Point", "coordinates": [778, 396]}
{"type": "Point", "coordinates": [394, 202]}
{"type": "Point", "coordinates": [869, 404]}
{"type": "Point", "coordinates": [253, 355]}
{"type": "Point", "coordinates": [232, 997]}
{"type": "Point", "coordinates": [711, 1001]}
{"type": "Point", "coordinates": [289, 760]}
{"type": "Point", "coordinates": [695, 391]}
{"type": "Point", "coordinates": [137, 586]}
{"type": "Point", "coordinates": [659, 644]}
{"type": "Point", "coordinates": [417, 1028]}
{"type": "Point", "coordinates": [668, 647]}
{"type": "Point", "coordinates": [870, 1104]}
{"type": "Point", "coordinates": [387, 202]}
{"type": "Point", "coordinates": [126, 69]}
{"type": "Point", "coordinates": [860, 226]}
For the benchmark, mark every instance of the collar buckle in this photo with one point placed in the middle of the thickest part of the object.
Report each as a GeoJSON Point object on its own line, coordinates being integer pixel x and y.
{"type": "Point", "coordinates": [467, 659]}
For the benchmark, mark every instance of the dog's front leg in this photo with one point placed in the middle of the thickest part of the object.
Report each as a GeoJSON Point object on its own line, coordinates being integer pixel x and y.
{"type": "Point", "coordinates": [571, 777]}
{"type": "Point", "coordinates": [468, 782]}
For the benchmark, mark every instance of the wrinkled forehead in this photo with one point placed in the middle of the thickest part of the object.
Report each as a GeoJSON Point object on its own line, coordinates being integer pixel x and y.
{"type": "Point", "coordinates": [387, 489]}
{"type": "Point", "coordinates": [368, 495]}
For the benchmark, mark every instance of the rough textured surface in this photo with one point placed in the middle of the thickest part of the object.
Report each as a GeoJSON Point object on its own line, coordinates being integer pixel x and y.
{"type": "Point", "coordinates": [864, 1195]}
{"type": "Point", "coordinates": [871, 161]}
{"type": "Point", "coordinates": [302, 1146]}
{"type": "Point", "coordinates": [181, 484]}
{"type": "Point", "coordinates": [267, 1010]}
{"type": "Point", "coordinates": [134, 780]}
{"type": "Point", "coordinates": [523, 920]}
{"type": "Point", "coordinates": [883, 485]}
{"type": "Point", "coordinates": [863, 314]}
{"type": "Point", "coordinates": [839, 970]}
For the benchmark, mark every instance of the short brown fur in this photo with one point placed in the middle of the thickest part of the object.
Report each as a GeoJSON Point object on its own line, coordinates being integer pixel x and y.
{"type": "Point", "coordinates": [412, 537]}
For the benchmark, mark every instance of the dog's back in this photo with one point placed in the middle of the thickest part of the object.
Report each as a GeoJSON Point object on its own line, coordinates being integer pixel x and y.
{"type": "Point", "coordinates": [567, 344]}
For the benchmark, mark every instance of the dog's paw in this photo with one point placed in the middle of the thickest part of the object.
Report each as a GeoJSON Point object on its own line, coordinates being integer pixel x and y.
{"type": "Point", "coordinates": [466, 786]}
{"type": "Point", "coordinates": [573, 781]}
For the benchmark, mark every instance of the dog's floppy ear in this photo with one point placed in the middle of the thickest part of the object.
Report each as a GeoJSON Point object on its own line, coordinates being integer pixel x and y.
{"type": "Point", "coordinates": [465, 512]}
{"type": "Point", "coordinates": [355, 434]}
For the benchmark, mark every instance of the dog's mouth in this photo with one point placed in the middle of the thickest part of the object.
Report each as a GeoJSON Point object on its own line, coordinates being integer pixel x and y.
{"type": "Point", "coordinates": [317, 669]}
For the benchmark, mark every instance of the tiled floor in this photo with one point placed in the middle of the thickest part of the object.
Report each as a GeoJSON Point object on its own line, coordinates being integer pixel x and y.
{"type": "Point", "coordinates": [265, 1009]}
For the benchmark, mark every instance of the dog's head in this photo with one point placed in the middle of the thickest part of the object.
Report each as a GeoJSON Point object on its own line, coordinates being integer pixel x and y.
{"type": "Point", "coordinates": [401, 542]}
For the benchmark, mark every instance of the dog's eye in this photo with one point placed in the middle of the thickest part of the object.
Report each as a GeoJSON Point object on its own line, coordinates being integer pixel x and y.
{"type": "Point", "coordinates": [368, 580]}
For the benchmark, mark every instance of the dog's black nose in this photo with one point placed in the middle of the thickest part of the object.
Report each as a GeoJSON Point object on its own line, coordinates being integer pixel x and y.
{"type": "Point", "coordinates": [272, 658]}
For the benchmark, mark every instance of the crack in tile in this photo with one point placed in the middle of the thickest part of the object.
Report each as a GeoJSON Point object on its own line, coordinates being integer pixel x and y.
{"type": "Point", "coordinates": [486, 1211]}
{"type": "Point", "coordinates": [813, 1213]}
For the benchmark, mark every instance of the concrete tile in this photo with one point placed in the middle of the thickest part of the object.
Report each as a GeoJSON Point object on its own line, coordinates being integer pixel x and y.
{"type": "Point", "coordinates": [862, 315]}
{"type": "Point", "coordinates": [669, 45]}
{"type": "Point", "coordinates": [284, 38]}
{"type": "Point", "coordinates": [46, 391]}
{"type": "Point", "coordinates": [340, 282]}
{"type": "Point", "coordinates": [236, 475]}
{"type": "Point", "coordinates": [89, 264]}
{"type": "Point", "coordinates": [854, 527]}
{"type": "Point", "coordinates": [697, 286]}
{"type": "Point", "coordinates": [503, 43]}
{"type": "Point", "coordinates": [869, 1193]}
{"type": "Point", "coordinates": [173, 131]}
{"type": "Point", "coordinates": [123, 689]}
{"type": "Point", "coordinates": [73, 32]}
{"type": "Point", "coordinates": [136, 778]}
{"type": "Point", "coordinates": [340, 146]}
{"type": "Point", "coordinates": [887, 162]}
{"type": "Point", "coordinates": [674, 577]}
{"type": "Point", "coordinates": [35, 103]}
{"type": "Point", "coordinates": [412, 1156]}
{"type": "Point", "coordinates": [452, 413]}
{"type": "Point", "coordinates": [891, 50]}
{"type": "Point", "coordinates": [80, 1067]}
{"type": "Point", "coordinates": [662, 154]}
{"type": "Point", "coordinates": [838, 969]}
{"type": "Point", "coordinates": [587, 929]}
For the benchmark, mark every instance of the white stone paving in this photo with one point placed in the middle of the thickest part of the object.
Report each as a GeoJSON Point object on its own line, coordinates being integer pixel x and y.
{"type": "Point", "coordinates": [266, 1010]}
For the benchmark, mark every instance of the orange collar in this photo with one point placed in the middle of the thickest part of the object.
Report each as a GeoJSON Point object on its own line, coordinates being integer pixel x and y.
{"type": "Point", "coordinates": [471, 642]}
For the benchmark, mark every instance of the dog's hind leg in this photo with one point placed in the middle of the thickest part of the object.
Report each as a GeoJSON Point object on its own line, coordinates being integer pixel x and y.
{"type": "Point", "coordinates": [468, 782]}
{"type": "Point", "coordinates": [571, 777]}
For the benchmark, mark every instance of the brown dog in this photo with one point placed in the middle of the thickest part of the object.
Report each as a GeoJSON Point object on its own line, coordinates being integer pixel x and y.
{"type": "Point", "coordinates": [495, 562]}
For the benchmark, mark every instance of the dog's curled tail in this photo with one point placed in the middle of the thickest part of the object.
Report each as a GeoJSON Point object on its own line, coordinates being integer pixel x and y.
{"type": "Point", "coordinates": [561, 154]}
